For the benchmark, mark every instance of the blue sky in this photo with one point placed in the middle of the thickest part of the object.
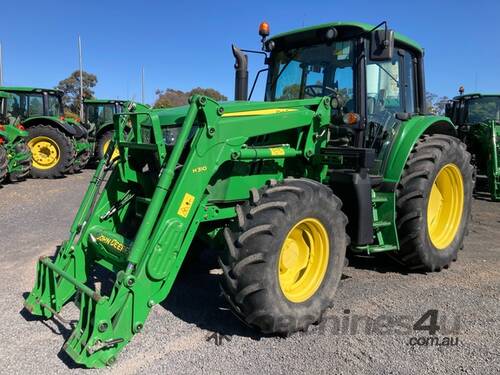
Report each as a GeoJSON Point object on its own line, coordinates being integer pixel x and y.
{"type": "Point", "coordinates": [184, 44]}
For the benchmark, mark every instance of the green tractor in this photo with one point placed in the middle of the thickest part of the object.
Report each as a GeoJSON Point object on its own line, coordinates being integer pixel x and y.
{"type": "Point", "coordinates": [99, 120]}
{"type": "Point", "coordinates": [340, 156]}
{"type": "Point", "coordinates": [478, 120]}
{"type": "Point", "coordinates": [15, 156]}
{"type": "Point", "coordinates": [57, 146]}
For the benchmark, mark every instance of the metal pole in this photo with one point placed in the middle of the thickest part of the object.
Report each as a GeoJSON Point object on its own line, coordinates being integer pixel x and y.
{"type": "Point", "coordinates": [1, 66]}
{"type": "Point", "coordinates": [142, 85]}
{"type": "Point", "coordinates": [81, 76]}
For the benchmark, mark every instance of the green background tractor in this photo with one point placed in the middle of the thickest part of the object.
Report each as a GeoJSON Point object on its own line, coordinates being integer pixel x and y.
{"type": "Point", "coordinates": [99, 120]}
{"type": "Point", "coordinates": [478, 120]}
{"type": "Point", "coordinates": [15, 156]}
{"type": "Point", "coordinates": [57, 146]}
{"type": "Point", "coordinates": [339, 156]}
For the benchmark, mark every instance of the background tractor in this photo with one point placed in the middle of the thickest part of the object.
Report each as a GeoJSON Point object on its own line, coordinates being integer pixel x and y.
{"type": "Point", "coordinates": [478, 120]}
{"type": "Point", "coordinates": [99, 120]}
{"type": "Point", "coordinates": [57, 146]}
{"type": "Point", "coordinates": [339, 156]}
{"type": "Point", "coordinates": [15, 156]}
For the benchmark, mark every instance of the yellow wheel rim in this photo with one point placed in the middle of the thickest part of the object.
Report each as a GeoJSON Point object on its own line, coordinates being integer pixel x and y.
{"type": "Point", "coordinates": [116, 152]}
{"type": "Point", "coordinates": [45, 152]}
{"type": "Point", "coordinates": [303, 260]}
{"type": "Point", "coordinates": [445, 206]}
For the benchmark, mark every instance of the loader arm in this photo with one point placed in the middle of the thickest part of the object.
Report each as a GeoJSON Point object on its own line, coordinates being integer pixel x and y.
{"type": "Point", "coordinates": [140, 223]}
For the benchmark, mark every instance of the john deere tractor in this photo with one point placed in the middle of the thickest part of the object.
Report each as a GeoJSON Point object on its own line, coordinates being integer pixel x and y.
{"type": "Point", "coordinates": [15, 156]}
{"type": "Point", "coordinates": [99, 120]}
{"type": "Point", "coordinates": [339, 156]}
{"type": "Point", "coordinates": [478, 120]}
{"type": "Point", "coordinates": [57, 146]}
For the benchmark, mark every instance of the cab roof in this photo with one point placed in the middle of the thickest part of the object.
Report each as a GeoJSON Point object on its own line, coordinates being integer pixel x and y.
{"type": "Point", "coordinates": [104, 101]}
{"type": "Point", "coordinates": [362, 27]}
{"type": "Point", "coordinates": [30, 89]}
{"type": "Point", "coordinates": [474, 95]}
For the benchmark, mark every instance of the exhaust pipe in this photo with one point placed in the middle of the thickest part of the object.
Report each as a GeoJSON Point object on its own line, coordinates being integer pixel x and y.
{"type": "Point", "coordinates": [241, 74]}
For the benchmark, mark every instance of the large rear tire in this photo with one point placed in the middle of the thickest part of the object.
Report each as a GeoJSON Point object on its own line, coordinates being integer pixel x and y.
{"type": "Point", "coordinates": [3, 163]}
{"type": "Point", "coordinates": [285, 256]}
{"type": "Point", "coordinates": [434, 198]}
{"type": "Point", "coordinates": [52, 151]}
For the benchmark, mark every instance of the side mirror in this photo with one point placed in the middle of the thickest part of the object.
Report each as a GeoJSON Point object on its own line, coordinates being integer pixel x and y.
{"type": "Point", "coordinates": [382, 45]}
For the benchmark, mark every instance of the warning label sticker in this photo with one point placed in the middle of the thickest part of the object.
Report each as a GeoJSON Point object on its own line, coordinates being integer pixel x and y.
{"type": "Point", "coordinates": [185, 206]}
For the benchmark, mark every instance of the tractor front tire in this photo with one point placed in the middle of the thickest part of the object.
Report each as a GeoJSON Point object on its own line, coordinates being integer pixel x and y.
{"type": "Point", "coordinates": [21, 175]}
{"type": "Point", "coordinates": [103, 142]}
{"type": "Point", "coordinates": [3, 163]}
{"type": "Point", "coordinates": [433, 203]}
{"type": "Point", "coordinates": [80, 162]}
{"type": "Point", "coordinates": [285, 255]}
{"type": "Point", "coordinates": [52, 151]}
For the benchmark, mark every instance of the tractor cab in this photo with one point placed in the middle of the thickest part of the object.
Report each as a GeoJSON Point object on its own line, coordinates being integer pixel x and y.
{"type": "Point", "coordinates": [373, 76]}
{"type": "Point", "coordinates": [3, 108]}
{"type": "Point", "coordinates": [467, 110]}
{"type": "Point", "coordinates": [30, 102]}
{"type": "Point", "coordinates": [478, 119]}
{"type": "Point", "coordinates": [100, 112]}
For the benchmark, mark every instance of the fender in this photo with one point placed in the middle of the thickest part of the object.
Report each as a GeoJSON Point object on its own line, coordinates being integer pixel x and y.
{"type": "Point", "coordinates": [46, 120]}
{"type": "Point", "coordinates": [104, 128]}
{"type": "Point", "coordinates": [408, 134]}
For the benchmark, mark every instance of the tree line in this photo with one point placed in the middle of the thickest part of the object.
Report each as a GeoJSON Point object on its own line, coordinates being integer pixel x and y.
{"type": "Point", "coordinates": [70, 86]}
{"type": "Point", "coordinates": [172, 98]}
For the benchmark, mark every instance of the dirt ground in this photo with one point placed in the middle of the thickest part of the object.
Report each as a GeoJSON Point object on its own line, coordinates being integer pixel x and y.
{"type": "Point", "coordinates": [369, 329]}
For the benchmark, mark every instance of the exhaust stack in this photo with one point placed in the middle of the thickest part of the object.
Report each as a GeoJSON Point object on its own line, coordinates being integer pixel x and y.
{"type": "Point", "coordinates": [241, 74]}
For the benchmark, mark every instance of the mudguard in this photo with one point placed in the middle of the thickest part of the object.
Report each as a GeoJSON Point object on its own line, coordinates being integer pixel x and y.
{"type": "Point", "coordinates": [408, 134]}
{"type": "Point", "coordinates": [46, 120]}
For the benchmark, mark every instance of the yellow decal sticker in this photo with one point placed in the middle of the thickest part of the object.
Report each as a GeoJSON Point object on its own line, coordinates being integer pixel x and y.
{"type": "Point", "coordinates": [277, 151]}
{"type": "Point", "coordinates": [117, 245]}
{"type": "Point", "coordinates": [260, 112]}
{"type": "Point", "coordinates": [200, 169]}
{"type": "Point", "coordinates": [185, 206]}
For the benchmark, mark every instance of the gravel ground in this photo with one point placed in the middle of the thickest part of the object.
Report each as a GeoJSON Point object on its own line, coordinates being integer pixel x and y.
{"type": "Point", "coordinates": [36, 216]}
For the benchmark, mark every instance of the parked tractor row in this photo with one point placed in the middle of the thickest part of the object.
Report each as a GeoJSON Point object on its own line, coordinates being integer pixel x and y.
{"type": "Point", "coordinates": [340, 156]}
{"type": "Point", "coordinates": [37, 139]}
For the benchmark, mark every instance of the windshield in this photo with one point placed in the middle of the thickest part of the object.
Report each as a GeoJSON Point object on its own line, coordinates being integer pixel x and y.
{"type": "Point", "coordinates": [24, 105]}
{"type": "Point", "coordinates": [54, 106]}
{"type": "Point", "coordinates": [319, 70]}
{"type": "Point", "coordinates": [482, 109]}
{"type": "Point", "coordinates": [99, 114]}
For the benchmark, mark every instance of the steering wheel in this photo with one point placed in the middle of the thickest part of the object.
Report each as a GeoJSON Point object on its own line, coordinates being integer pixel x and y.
{"type": "Point", "coordinates": [318, 90]}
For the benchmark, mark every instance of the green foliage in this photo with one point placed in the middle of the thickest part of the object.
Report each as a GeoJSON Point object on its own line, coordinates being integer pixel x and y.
{"type": "Point", "coordinates": [175, 98]}
{"type": "Point", "coordinates": [71, 88]}
{"type": "Point", "coordinates": [435, 104]}
{"type": "Point", "coordinates": [290, 92]}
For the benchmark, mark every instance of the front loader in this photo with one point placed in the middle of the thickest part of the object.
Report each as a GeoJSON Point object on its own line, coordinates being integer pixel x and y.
{"type": "Point", "coordinates": [15, 156]}
{"type": "Point", "coordinates": [340, 156]}
{"type": "Point", "coordinates": [58, 147]}
{"type": "Point", "coordinates": [478, 120]}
